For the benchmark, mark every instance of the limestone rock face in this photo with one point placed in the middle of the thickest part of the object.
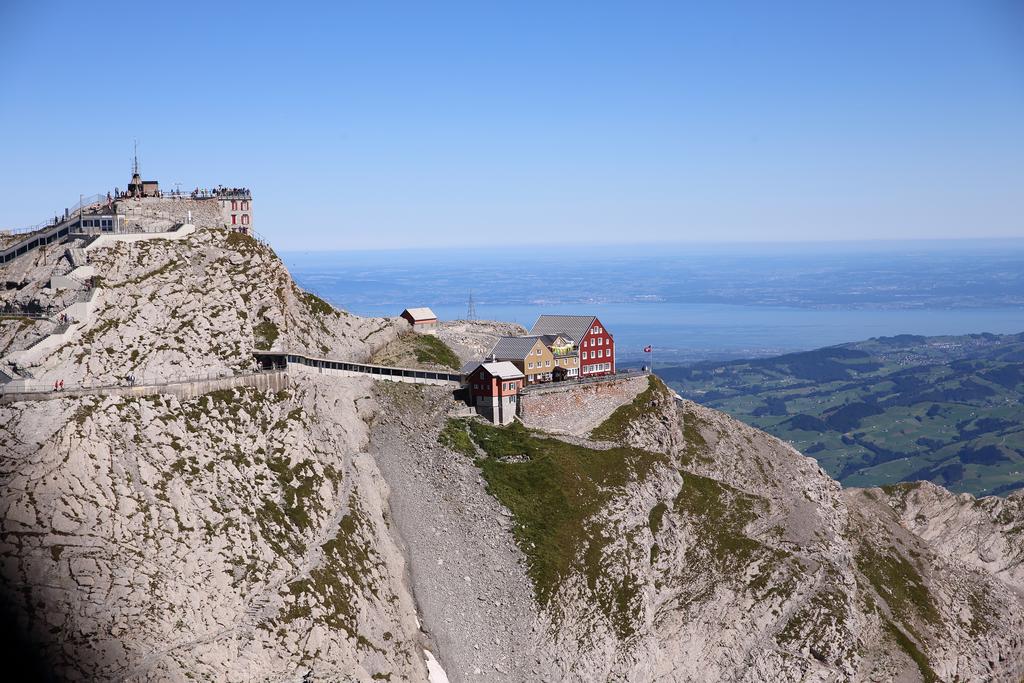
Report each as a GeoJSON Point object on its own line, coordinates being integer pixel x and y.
{"type": "Point", "coordinates": [760, 567]}
{"type": "Point", "coordinates": [176, 309]}
{"type": "Point", "coordinates": [986, 533]}
{"type": "Point", "coordinates": [241, 535]}
{"type": "Point", "coordinates": [237, 536]}
{"type": "Point", "coordinates": [325, 533]}
{"type": "Point", "coordinates": [722, 554]}
{"type": "Point", "coordinates": [472, 339]}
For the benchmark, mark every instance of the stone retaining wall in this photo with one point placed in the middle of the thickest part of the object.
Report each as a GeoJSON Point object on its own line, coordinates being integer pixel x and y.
{"type": "Point", "coordinates": [577, 408]}
{"type": "Point", "coordinates": [156, 214]}
{"type": "Point", "coordinates": [108, 239]}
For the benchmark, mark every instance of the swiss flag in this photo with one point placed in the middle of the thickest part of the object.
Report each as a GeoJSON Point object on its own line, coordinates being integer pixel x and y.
{"type": "Point", "coordinates": [648, 349]}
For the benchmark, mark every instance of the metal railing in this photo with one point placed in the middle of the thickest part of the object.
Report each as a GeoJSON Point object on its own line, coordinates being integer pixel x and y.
{"type": "Point", "coordinates": [62, 326]}
{"type": "Point", "coordinates": [280, 360]}
{"type": "Point", "coordinates": [60, 329]}
{"type": "Point", "coordinates": [620, 374]}
{"type": "Point", "coordinates": [47, 386]}
{"type": "Point", "coordinates": [32, 309]}
{"type": "Point", "coordinates": [13, 314]}
{"type": "Point", "coordinates": [81, 204]}
{"type": "Point", "coordinates": [201, 193]}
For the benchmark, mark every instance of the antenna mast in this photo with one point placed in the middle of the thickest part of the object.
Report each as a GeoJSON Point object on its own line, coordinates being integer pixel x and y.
{"type": "Point", "coordinates": [135, 158]}
{"type": "Point", "coordinates": [471, 307]}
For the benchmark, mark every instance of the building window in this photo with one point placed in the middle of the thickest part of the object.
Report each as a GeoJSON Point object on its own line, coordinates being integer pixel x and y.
{"type": "Point", "coordinates": [245, 219]}
{"type": "Point", "coordinates": [245, 206]}
{"type": "Point", "coordinates": [234, 205]}
{"type": "Point", "coordinates": [547, 364]}
{"type": "Point", "coordinates": [531, 365]}
{"type": "Point", "coordinates": [234, 219]}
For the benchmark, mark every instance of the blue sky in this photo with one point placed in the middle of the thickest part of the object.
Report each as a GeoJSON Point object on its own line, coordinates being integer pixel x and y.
{"type": "Point", "coordinates": [374, 125]}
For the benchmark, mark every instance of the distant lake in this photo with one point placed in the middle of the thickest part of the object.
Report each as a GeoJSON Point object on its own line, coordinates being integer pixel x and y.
{"type": "Point", "coordinates": [697, 303]}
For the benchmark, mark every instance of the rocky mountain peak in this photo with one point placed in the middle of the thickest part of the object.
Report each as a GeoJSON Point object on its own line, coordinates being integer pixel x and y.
{"type": "Point", "coordinates": [335, 529]}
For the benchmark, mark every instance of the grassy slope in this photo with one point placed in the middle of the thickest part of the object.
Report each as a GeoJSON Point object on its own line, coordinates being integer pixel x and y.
{"type": "Point", "coordinates": [615, 426]}
{"type": "Point", "coordinates": [559, 494]}
{"type": "Point", "coordinates": [945, 409]}
{"type": "Point", "coordinates": [418, 351]}
{"type": "Point", "coordinates": [555, 491]}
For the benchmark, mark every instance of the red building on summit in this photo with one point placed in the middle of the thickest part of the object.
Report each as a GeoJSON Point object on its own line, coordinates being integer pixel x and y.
{"type": "Point", "coordinates": [595, 344]}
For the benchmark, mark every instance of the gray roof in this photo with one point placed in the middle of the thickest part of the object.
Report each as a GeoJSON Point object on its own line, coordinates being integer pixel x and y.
{"type": "Point", "coordinates": [469, 367]}
{"type": "Point", "coordinates": [503, 370]}
{"type": "Point", "coordinates": [422, 313]}
{"type": "Point", "coordinates": [572, 326]}
{"type": "Point", "coordinates": [507, 348]}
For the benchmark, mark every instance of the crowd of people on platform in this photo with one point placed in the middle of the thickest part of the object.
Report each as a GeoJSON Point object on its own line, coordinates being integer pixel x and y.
{"type": "Point", "coordinates": [221, 191]}
{"type": "Point", "coordinates": [198, 193]}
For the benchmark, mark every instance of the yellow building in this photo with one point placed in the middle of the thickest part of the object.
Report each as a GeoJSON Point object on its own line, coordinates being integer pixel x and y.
{"type": "Point", "coordinates": [530, 354]}
{"type": "Point", "coordinates": [565, 355]}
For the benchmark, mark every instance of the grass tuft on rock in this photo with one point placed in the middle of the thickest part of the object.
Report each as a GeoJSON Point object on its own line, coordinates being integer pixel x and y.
{"type": "Point", "coordinates": [908, 646]}
{"type": "Point", "coordinates": [656, 516]}
{"type": "Point", "coordinates": [720, 514]}
{"type": "Point", "coordinates": [431, 350]}
{"type": "Point", "coordinates": [266, 334]}
{"type": "Point", "coordinates": [414, 350]}
{"type": "Point", "coordinates": [455, 437]}
{"type": "Point", "coordinates": [614, 428]}
{"type": "Point", "coordinates": [555, 490]}
{"type": "Point", "coordinates": [898, 582]}
{"type": "Point", "coordinates": [316, 305]}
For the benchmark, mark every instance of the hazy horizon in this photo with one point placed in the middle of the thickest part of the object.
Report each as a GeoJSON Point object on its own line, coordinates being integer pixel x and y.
{"type": "Point", "coordinates": [780, 246]}
{"type": "Point", "coordinates": [695, 302]}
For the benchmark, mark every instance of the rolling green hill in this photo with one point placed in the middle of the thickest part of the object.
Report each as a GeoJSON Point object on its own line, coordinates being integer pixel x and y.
{"type": "Point", "coordinates": [890, 409]}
